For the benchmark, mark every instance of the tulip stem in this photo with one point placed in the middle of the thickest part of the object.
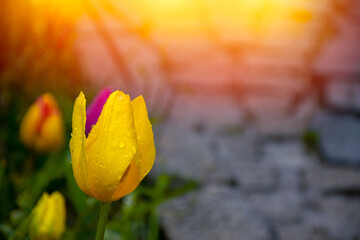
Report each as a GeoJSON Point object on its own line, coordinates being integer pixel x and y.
{"type": "Point", "coordinates": [104, 212]}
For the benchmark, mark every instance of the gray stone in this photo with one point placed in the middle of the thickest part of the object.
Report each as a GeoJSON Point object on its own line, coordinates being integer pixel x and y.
{"type": "Point", "coordinates": [339, 138]}
{"type": "Point", "coordinates": [280, 207]}
{"type": "Point", "coordinates": [291, 159]}
{"type": "Point", "coordinates": [189, 143]}
{"type": "Point", "coordinates": [212, 213]}
{"type": "Point", "coordinates": [238, 147]}
{"type": "Point", "coordinates": [289, 154]}
{"type": "Point", "coordinates": [241, 154]}
{"type": "Point", "coordinates": [303, 232]}
{"type": "Point", "coordinates": [256, 178]}
{"type": "Point", "coordinates": [189, 155]}
{"type": "Point", "coordinates": [214, 112]}
{"type": "Point", "coordinates": [324, 179]}
{"type": "Point", "coordinates": [276, 115]}
{"type": "Point", "coordinates": [339, 216]}
{"type": "Point", "coordinates": [343, 95]}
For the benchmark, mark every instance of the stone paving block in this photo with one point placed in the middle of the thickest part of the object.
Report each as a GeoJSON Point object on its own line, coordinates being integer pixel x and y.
{"type": "Point", "coordinates": [339, 137]}
{"type": "Point", "coordinates": [323, 179]}
{"type": "Point", "coordinates": [213, 112]}
{"type": "Point", "coordinates": [280, 207]}
{"type": "Point", "coordinates": [303, 232]}
{"type": "Point", "coordinates": [276, 116]}
{"type": "Point", "coordinates": [193, 155]}
{"type": "Point", "coordinates": [339, 216]}
{"type": "Point", "coordinates": [212, 213]}
{"type": "Point", "coordinates": [289, 154]}
{"type": "Point", "coordinates": [291, 160]}
{"type": "Point", "coordinates": [343, 95]}
{"type": "Point", "coordinates": [188, 154]}
{"type": "Point", "coordinates": [256, 178]}
{"type": "Point", "coordinates": [238, 146]}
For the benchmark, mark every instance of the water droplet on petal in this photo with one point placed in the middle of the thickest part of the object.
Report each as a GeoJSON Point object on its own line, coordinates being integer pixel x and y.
{"type": "Point", "coordinates": [121, 143]}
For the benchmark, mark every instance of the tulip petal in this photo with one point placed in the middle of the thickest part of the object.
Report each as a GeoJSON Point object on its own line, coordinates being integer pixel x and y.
{"type": "Point", "coordinates": [77, 145]}
{"type": "Point", "coordinates": [49, 216]}
{"type": "Point", "coordinates": [111, 146]}
{"type": "Point", "coordinates": [38, 216]}
{"type": "Point", "coordinates": [52, 134]}
{"type": "Point", "coordinates": [27, 129]}
{"type": "Point", "coordinates": [145, 136]}
{"type": "Point", "coordinates": [55, 216]}
{"type": "Point", "coordinates": [94, 110]}
{"type": "Point", "coordinates": [129, 181]}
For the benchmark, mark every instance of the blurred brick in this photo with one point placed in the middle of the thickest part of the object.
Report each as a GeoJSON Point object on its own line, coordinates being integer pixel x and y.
{"type": "Point", "coordinates": [339, 216]}
{"type": "Point", "coordinates": [321, 179]}
{"type": "Point", "coordinates": [280, 207]}
{"type": "Point", "coordinates": [339, 138]}
{"type": "Point", "coordinates": [212, 213]}
{"type": "Point", "coordinates": [343, 95]}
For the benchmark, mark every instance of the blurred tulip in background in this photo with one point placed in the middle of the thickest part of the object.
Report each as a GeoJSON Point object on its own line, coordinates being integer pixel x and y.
{"type": "Point", "coordinates": [42, 127]}
{"type": "Point", "coordinates": [49, 217]}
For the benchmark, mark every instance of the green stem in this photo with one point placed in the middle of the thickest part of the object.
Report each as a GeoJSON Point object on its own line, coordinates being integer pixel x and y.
{"type": "Point", "coordinates": [104, 212]}
{"type": "Point", "coordinates": [22, 230]}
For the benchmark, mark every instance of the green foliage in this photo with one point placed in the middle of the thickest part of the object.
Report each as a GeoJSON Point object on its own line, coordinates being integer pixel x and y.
{"type": "Point", "coordinates": [311, 139]}
{"type": "Point", "coordinates": [136, 217]}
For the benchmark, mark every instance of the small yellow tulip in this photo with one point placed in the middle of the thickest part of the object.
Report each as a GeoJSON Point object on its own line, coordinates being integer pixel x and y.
{"type": "Point", "coordinates": [48, 217]}
{"type": "Point", "coordinates": [119, 151]}
{"type": "Point", "coordinates": [42, 127]}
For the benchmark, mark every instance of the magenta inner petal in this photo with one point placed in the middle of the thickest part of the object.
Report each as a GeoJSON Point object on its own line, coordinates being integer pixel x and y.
{"type": "Point", "coordinates": [94, 110]}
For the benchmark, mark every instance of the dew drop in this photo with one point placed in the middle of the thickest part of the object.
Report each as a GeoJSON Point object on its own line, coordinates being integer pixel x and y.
{"type": "Point", "coordinates": [122, 143]}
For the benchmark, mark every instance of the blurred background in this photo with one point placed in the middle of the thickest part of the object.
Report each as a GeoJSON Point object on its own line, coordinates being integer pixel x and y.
{"type": "Point", "coordinates": [255, 108]}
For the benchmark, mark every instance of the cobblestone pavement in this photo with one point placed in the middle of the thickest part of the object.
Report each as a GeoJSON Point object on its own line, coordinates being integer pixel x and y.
{"type": "Point", "coordinates": [253, 183]}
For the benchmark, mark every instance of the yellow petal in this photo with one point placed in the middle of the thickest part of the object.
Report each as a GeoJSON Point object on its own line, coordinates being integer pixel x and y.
{"type": "Point", "coordinates": [145, 136]}
{"type": "Point", "coordinates": [52, 134]}
{"type": "Point", "coordinates": [27, 126]}
{"type": "Point", "coordinates": [49, 216]}
{"type": "Point", "coordinates": [129, 181]}
{"type": "Point", "coordinates": [39, 213]}
{"type": "Point", "coordinates": [111, 146]}
{"type": "Point", "coordinates": [54, 219]}
{"type": "Point", "coordinates": [77, 145]}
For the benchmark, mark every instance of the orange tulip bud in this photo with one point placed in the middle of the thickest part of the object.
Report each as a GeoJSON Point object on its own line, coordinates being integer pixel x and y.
{"type": "Point", "coordinates": [42, 127]}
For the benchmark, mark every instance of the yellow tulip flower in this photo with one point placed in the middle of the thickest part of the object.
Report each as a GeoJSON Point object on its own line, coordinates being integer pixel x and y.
{"type": "Point", "coordinates": [48, 217]}
{"type": "Point", "coordinates": [119, 151]}
{"type": "Point", "coordinates": [42, 127]}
